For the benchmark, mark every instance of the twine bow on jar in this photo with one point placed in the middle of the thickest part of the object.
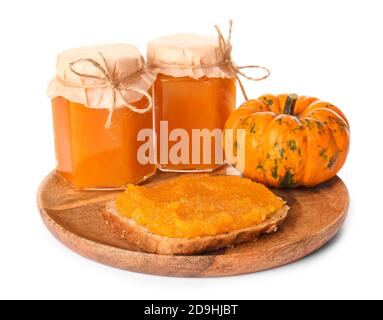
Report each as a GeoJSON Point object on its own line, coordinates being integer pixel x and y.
{"type": "Point", "coordinates": [107, 80]}
{"type": "Point", "coordinates": [226, 48]}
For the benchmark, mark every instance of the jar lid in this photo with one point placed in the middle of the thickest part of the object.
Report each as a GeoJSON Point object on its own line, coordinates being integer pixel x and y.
{"type": "Point", "coordinates": [122, 59]}
{"type": "Point", "coordinates": [90, 76]}
{"type": "Point", "coordinates": [190, 55]}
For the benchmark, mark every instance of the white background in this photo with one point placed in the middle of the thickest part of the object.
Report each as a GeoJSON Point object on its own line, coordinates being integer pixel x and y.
{"type": "Point", "coordinates": [329, 49]}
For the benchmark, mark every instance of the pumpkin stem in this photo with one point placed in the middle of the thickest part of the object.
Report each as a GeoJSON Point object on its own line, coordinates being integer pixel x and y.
{"type": "Point", "coordinates": [290, 104]}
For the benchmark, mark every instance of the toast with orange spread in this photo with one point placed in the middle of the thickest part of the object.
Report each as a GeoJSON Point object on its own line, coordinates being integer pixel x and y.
{"type": "Point", "coordinates": [194, 213]}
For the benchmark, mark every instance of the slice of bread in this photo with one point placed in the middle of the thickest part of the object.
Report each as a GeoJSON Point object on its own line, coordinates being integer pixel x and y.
{"type": "Point", "coordinates": [139, 235]}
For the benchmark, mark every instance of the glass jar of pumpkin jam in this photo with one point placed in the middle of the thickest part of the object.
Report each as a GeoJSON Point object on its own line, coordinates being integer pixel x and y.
{"type": "Point", "coordinates": [100, 101]}
{"type": "Point", "coordinates": [90, 156]}
{"type": "Point", "coordinates": [197, 205]}
{"type": "Point", "coordinates": [195, 91]}
{"type": "Point", "coordinates": [190, 104]}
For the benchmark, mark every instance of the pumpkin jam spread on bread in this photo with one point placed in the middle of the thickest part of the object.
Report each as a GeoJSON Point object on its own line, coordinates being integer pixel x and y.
{"type": "Point", "coordinates": [194, 213]}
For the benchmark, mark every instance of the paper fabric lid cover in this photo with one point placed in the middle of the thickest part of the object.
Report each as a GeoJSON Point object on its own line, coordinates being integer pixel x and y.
{"type": "Point", "coordinates": [195, 56]}
{"type": "Point", "coordinates": [99, 76]}
{"type": "Point", "coordinates": [190, 55]}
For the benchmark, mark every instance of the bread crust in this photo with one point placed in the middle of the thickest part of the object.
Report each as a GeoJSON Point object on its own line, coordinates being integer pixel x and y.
{"type": "Point", "coordinates": [129, 230]}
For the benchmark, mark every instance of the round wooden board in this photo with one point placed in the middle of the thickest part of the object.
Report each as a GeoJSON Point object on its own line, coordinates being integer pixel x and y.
{"type": "Point", "coordinates": [74, 217]}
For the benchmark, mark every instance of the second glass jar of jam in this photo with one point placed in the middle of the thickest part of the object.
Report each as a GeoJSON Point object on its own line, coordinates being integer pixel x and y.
{"type": "Point", "coordinates": [194, 94]}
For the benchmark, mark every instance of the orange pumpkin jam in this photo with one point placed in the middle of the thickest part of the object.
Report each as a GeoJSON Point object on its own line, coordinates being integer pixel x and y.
{"type": "Point", "coordinates": [190, 104]}
{"type": "Point", "coordinates": [193, 206]}
{"type": "Point", "coordinates": [90, 156]}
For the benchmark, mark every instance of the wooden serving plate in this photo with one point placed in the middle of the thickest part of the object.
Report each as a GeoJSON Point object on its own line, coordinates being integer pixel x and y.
{"type": "Point", "coordinates": [74, 217]}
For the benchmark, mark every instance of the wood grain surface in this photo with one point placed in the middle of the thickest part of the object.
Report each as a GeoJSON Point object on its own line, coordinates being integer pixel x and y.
{"type": "Point", "coordinates": [74, 217]}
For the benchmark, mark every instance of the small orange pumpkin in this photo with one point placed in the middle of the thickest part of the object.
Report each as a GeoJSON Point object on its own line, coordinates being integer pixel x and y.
{"type": "Point", "coordinates": [289, 140]}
